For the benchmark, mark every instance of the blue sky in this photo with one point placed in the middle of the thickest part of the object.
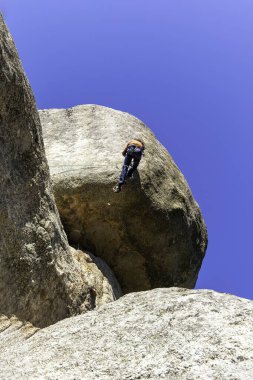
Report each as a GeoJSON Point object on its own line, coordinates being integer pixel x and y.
{"type": "Point", "coordinates": [184, 67]}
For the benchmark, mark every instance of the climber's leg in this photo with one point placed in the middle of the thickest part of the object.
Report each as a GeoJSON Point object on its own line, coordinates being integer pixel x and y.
{"type": "Point", "coordinates": [136, 161]}
{"type": "Point", "coordinates": [124, 170]}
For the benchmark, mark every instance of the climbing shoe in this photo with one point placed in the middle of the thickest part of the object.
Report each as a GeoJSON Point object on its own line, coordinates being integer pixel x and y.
{"type": "Point", "coordinates": [117, 189]}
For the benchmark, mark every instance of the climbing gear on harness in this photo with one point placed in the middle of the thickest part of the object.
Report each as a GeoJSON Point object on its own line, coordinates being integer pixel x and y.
{"type": "Point", "coordinates": [131, 176]}
{"type": "Point", "coordinates": [132, 149]}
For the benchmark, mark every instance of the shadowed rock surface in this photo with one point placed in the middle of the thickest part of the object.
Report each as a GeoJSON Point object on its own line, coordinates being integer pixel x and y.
{"type": "Point", "coordinates": [152, 233]}
{"type": "Point", "coordinates": [40, 279]}
{"type": "Point", "coordinates": [160, 334]}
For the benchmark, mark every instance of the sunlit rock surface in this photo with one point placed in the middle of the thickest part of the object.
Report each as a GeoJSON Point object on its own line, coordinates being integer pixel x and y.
{"type": "Point", "coordinates": [160, 334]}
{"type": "Point", "coordinates": [152, 233]}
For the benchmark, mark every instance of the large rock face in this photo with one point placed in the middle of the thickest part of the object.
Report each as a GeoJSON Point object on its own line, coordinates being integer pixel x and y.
{"type": "Point", "coordinates": [160, 334]}
{"type": "Point", "coordinates": [152, 233]}
{"type": "Point", "coordinates": [40, 279]}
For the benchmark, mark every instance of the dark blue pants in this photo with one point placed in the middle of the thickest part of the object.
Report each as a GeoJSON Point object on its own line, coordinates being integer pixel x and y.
{"type": "Point", "coordinates": [133, 159]}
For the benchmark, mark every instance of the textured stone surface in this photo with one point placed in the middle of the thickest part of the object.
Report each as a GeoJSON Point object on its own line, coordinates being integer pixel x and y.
{"type": "Point", "coordinates": [152, 233]}
{"type": "Point", "coordinates": [164, 333]}
{"type": "Point", "coordinates": [40, 280]}
{"type": "Point", "coordinates": [12, 331]}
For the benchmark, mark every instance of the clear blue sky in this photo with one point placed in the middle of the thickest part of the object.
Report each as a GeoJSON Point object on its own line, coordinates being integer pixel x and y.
{"type": "Point", "coordinates": [184, 67]}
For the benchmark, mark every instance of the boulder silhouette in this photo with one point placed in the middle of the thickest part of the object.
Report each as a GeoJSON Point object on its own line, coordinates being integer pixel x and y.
{"type": "Point", "coordinates": [41, 279]}
{"type": "Point", "coordinates": [152, 233]}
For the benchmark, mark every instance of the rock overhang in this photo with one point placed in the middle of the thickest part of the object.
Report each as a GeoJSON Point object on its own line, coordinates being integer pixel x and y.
{"type": "Point", "coordinates": [152, 233]}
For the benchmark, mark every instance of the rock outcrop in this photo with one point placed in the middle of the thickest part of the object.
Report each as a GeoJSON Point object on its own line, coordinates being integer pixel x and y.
{"type": "Point", "coordinates": [40, 279]}
{"type": "Point", "coordinates": [160, 334]}
{"type": "Point", "coordinates": [152, 233]}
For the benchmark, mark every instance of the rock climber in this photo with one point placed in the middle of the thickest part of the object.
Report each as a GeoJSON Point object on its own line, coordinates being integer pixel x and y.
{"type": "Point", "coordinates": [133, 152]}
